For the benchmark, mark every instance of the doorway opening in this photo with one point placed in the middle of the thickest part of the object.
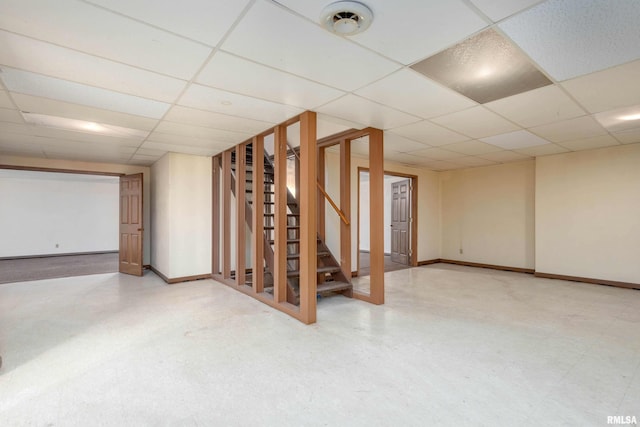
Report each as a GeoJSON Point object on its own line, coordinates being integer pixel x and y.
{"type": "Point", "coordinates": [400, 221]}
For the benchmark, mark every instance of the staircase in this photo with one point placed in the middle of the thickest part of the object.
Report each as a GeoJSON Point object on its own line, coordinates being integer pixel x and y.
{"type": "Point", "coordinates": [331, 278]}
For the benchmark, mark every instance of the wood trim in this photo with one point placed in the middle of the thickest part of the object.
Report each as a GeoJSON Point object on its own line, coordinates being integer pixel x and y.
{"type": "Point", "coordinates": [308, 224]}
{"type": "Point", "coordinates": [215, 220]}
{"type": "Point", "coordinates": [588, 280]}
{"type": "Point", "coordinates": [241, 226]}
{"type": "Point", "coordinates": [376, 212]}
{"type": "Point", "coordinates": [56, 255]}
{"type": "Point", "coordinates": [257, 238]}
{"type": "Point", "coordinates": [321, 201]}
{"type": "Point", "coordinates": [55, 170]}
{"type": "Point", "coordinates": [226, 214]}
{"type": "Point", "coordinates": [175, 280]}
{"type": "Point", "coordinates": [345, 207]}
{"type": "Point", "coordinates": [491, 266]}
{"type": "Point", "coordinates": [280, 217]}
{"type": "Point", "coordinates": [429, 262]}
{"type": "Point", "coordinates": [350, 134]}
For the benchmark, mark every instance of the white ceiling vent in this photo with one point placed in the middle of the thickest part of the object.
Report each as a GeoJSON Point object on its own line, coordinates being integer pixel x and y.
{"type": "Point", "coordinates": [346, 18]}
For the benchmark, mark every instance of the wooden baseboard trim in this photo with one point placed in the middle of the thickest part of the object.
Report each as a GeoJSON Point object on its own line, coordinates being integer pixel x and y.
{"type": "Point", "coordinates": [491, 266]}
{"type": "Point", "coordinates": [354, 274]}
{"type": "Point", "coordinates": [179, 279]}
{"type": "Point", "coordinates": [588, 280]}
{"type": "Point", "coordinates": [56, 255]}
{"type": "Point", "coordinates": [429, 262]}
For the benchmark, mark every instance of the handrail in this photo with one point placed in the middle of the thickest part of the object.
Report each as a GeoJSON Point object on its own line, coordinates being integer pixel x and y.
{"type": "Point", "coordinates": [335, 207]}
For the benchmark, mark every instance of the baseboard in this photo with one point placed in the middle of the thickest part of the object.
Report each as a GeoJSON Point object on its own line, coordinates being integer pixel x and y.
{"type": "Point", "coordinates": [175, 280]}
{"type": "Point", "coordinates": [354, 274]}
{"type": "Point", "coordinates": [429, 262]}
{"type": "Point", "coordinates": [491, 266]}
{"type": "Point", "coordinates": [56, 255]}
{"type": "Point", "coordinates": [588, 280]}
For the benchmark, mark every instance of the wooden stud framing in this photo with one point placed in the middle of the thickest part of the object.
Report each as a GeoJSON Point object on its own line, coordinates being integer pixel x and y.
{"type": "Point", "coordinates": [280, 218]}
{"type": "Point", "coordinates": [308, 210]}
{"type": "Point", "coordinates": [257, 238]}
{"type": "Point", "coordinates": [226, 214]}
{"type": "Point", "coordinates": [345, 206]}
{"type": "Point", "coordinates": [215, 230]}
{"type": "Point", "coordinates": [241, 226]}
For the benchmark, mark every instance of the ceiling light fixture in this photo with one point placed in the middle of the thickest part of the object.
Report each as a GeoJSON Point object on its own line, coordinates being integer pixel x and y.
{"type": "Point", "coordinates": [64, 123]}
{"type": "Point", "coordinates": [630, 117]}
{"type": "Point", "coordinates": [346, 18]}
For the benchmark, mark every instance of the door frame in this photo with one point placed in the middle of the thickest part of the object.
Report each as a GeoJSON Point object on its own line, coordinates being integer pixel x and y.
{"type": "Point", "coordinates": [413, 245]}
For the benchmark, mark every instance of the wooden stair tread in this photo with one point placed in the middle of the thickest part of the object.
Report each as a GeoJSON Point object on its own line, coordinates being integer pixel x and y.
{"type": "Point", "coordinates": [326, 269]}
{"type": "Point", "coordinates": [320, 254]}
{"type": "Point", "coordinates": [292, 241]}
{"type": "Point", "coordinates": [289, 227]}
{"type": "Point", "coordinates": [333, 287]}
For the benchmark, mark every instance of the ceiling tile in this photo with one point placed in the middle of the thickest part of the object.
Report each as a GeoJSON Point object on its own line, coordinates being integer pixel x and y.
{"type": "Point", "coordinates": [5, 101]}
{"type": "Point", "coordinates": [473, 161]}
{"type": "Point", "coordinates": [443, 165]}
{"type": "Point", "coordinates": [142, 160]}
{"type": "Point", "coordinates": [413, 93]}
{"type": "Point", "coordinates": [437, 154]}
{"type": "Point", "coordinates": [271, 35]}
{"type": "Point", "coordinates": [150, 152]}
{"type": "Point", "coordinates": [628, 137]}
{"type": "Point", "coordinates": [605, 90]}
{"type": "Point", "coordinates": [34, 104]}
{"type": "Point", "coordinates": [471, 148]}
{"type": "Point", "coordinates": [567, 130]}
{"type": "Point", "coordinates": [500, 9]}
{"type": "Point", "coordinates": [366, 112]}
{"type": "Point", "coordinates": [399, 143]}
{"type": "Point", "coordinates": [19, 128]}
{"type": "Point", "coordinates": [235, 74]}
{"type": "Point", "coordinates": [178, 148]}
{"type": "Point", "coordinates": [505, 156]}
{"type": "Point", "coordinates": [515, 140]}
{"type": "Point", "coordinates": [82, 137]}
{"type": "Point", "coordinates": [93, 30]}
{"type": "Point", "coordinates": [19, 143]}
{"type": "Point", "coordinates": [476, 122]}
{"type": "Point", "coordinates": [537, 107]}
{"type": "Point", "coordinates": [620, 119]}
{"type": "Point", "coordinates": [407, 30]}
{"type": "Point", "coordinates": [484, 67]}
{"type": "Point", "coordinates": [429, 133]}
{"type": "Point", "coordinates": [569, 38]}
{"type": "Point", "coordinates": [48, 87]}
{"type": "Point", "coordinates": [402, 158]}
{"type": "Point", "coordinates": [542, 150]}
{"type": "Point", "coordinates": [220, 101]}
{"type": "Point", "coordinates": [201, 132]}
{"type": "Point", "coordinates": [13, 116]}
{"type": "Point", "coordinates": [204, 20]}
{"type": "Point", "coordinates": [178, 140]}
{"type": "Point", "coordinates": [55, 61]}
{"type": "Point", "coordinates": [209, 119]}
{"type": "Point", "coordinates": [590, 143]}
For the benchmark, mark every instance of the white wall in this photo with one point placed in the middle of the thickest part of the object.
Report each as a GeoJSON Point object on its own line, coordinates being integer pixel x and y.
{"type": "Point", "coordinates": [588, 214]}
{"type": "Point", "coordinates": [44, 213]}
{"type": "Point", "coordinates": [488, 213]}
{"type": "Point", "coordinates": [182, 212]}
{"type": "Point", "coordinates": [95, 167]}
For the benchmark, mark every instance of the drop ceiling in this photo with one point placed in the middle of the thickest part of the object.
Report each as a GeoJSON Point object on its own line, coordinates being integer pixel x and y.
{"type": "Point", "coordinates": [199, 76]}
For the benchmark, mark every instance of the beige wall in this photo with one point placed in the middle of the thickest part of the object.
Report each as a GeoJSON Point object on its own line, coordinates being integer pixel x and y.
{"type": "Point", "coordinates": [97, 167]}
{"type": "Point", "coordinates": [588, 214]}
{"type": "Point", "coordinates": [488, 215]}
{"type": "Point", "coordinates": [182, 206]}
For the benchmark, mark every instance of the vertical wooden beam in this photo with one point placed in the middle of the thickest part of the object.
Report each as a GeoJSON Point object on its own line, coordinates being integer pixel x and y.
{"type": "Point", "coordinates": [308, 225]}
{"type": "Point", "coordinates": [376, 212]}
{"type": "Point", "coordinates": [321, 201]}
{"type": "Point", "coordinates": [280, 218]}
{"type": "Point", "coordinates": [215, 220]}
{"type": "Point", "coordinates": [414, 222]}
{"type": "Point", "coordinates": [241, 224]}
{"type": "Point", "coordinates": [226, 214]}
{"type": "Point", "coordinates": [257, 241]}
{"type": "Point", "coordinates": [345, 206]}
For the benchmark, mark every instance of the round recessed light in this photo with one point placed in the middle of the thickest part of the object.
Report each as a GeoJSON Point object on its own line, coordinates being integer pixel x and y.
{"type": "Point", "coordinates": [346, 18]}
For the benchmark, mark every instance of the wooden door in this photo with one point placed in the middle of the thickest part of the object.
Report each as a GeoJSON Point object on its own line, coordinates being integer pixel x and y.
{"type": "Point", "coordinates": [131, 226]}
{"type": "Point", "coordinates": [400, 226]}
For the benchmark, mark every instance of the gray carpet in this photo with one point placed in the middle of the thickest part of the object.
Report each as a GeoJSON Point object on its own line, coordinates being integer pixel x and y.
{"type": "Point", "coordinates": [25, 269]}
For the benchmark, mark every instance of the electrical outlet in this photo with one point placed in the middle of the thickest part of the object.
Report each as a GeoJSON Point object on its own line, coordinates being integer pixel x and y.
{"type": "Point", "coordinates": [461, 251]}
{"type": "Point", "coordinates": [57, 245]}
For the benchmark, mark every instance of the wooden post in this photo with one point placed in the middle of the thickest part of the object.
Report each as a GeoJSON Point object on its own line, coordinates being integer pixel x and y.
{"type": "Point", "coordinates": [241, 225]}
{"type": "Point", "coordinates": [376, 213]}
{"type": "Point", "coordinates": [345, 207]}
{"type": "Point", "coordinates": [308, 210]}
{"type": "Point", "coordinates": [215, 209]}
{"type": "Point", "coordinates": [280, 218]}
{"type": "Point", "coordinates": [257, 241]}
{"type": "Point", "coordinates": [226, 214]}
{"type": "Point", "coordinates": [321, 201]}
